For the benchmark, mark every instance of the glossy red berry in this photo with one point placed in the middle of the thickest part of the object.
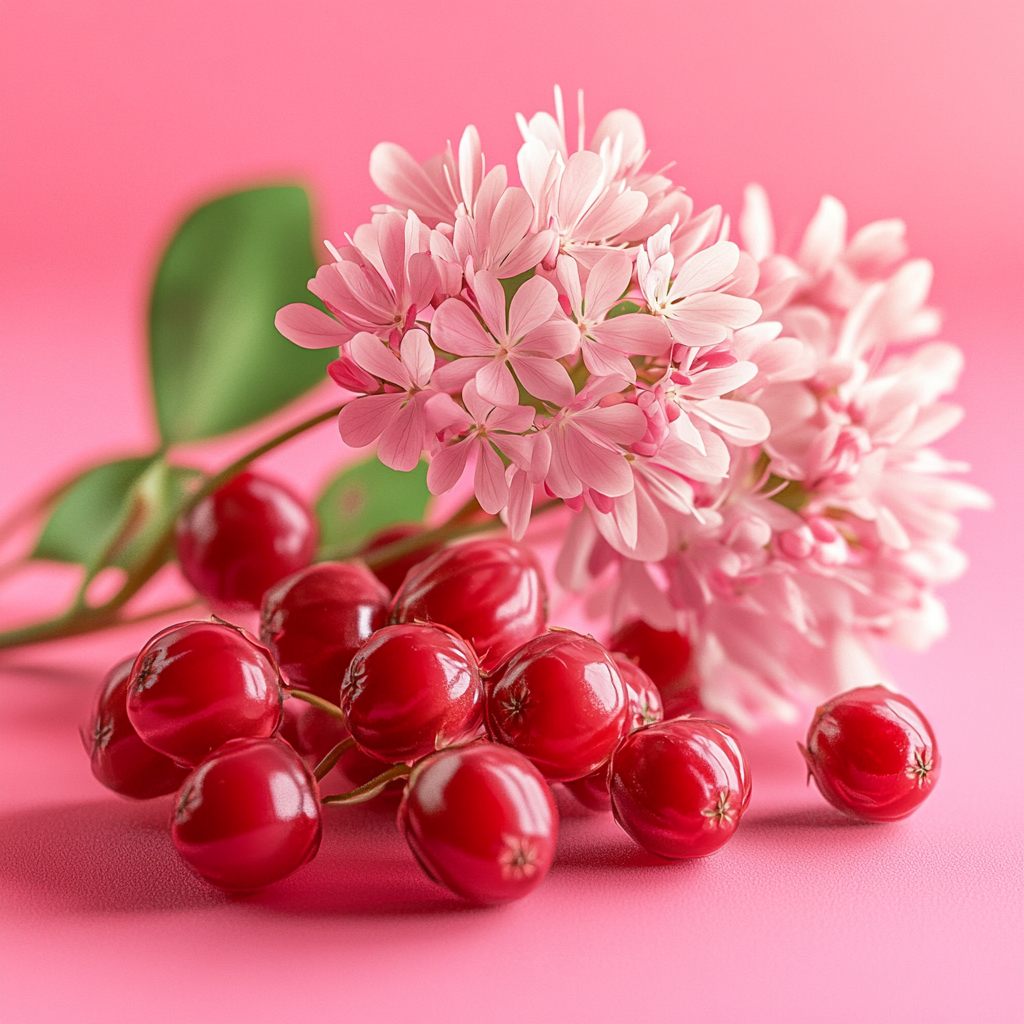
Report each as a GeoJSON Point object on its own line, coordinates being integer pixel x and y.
{"type": "Point", "coordinates": [248, 815]}
{"type": "Point", "coordinates": [675, 788]}
{"type": "Point", "coordinates": [243, 538]}
{"type": "Point", "coordinates": [489, 591]}
{"type": "Point", "coordinates": [197, 685]}
{"type": "Point", "coordinates": [644, 697]}
{"type": "Point", "coordinates": [481, 821]}
{"type": "Point", "coordinates": [872, 754]}
{"type": "Point", "coordinates": [311, 732]}
{"type": "Point", "coordinates": [410, 690]}
{"type": "Point", "coordinates": [665, 656]}
{"type": "Point", "coordinates": [316, 619]}
{"type": "Point", "coordinates": [120, 760]}
{"type": "Point", "coordinates": [592, 790]}
{"type": "Point", "coordinates": [561, 701]}
{"type": "Point", "coordinates": [393, 573]}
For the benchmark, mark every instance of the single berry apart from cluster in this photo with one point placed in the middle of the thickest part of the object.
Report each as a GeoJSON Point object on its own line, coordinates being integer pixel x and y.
{"type": "Point", "coordinates": [664, 655]}
{"type": "Point", "coordinates": [248, 815]}
{"type": "Point", "coordinates": [393, 573]}
{"type": "Point", "coordinates": [489, 591]}
{"type": "Point", "coordinates": [197, 685]}
{"type": "Point", "coordinates": [316, 619]}
{"type": "Point", "coordinates": [243, 538]}
{"type": "Point", "coordinates": [481, 821]}
{"type": "Point", "coordinates": [561, 701]}
{"type": "Point", "coordinates": [410, 690]}
{"type": "Point", "coordinates": [872, 754]}
{"type": "Point", "coordinates": [120, 759]}
{"type": "Point", "coordinates": [676, 788]}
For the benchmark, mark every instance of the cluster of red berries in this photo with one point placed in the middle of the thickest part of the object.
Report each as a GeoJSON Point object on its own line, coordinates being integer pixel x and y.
{"type": "Point", "coordinates": [453, 689]}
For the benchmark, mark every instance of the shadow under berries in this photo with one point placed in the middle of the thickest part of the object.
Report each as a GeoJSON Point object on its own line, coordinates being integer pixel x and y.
{"type": "Point", "coordinates": [113, 857]}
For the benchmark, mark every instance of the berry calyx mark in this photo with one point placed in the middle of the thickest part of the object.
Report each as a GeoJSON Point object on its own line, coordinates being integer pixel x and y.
{"type": "Point", "coordinates": [921, 768]}
{"type": "Point", "coordinates": [145, 673]}
{"type": "Point", "coordinates": [102, 732]}
{"type": "Point", "coordinates": [721, 812]}
{"type": "Point", "coordinates": [191, 797]}
{"type": "Point", "coordinates": [516, 701]}
{"type": "Point", "coordinates": [647, 713]}
{"type": "Point", "coordinates": [518, 858]}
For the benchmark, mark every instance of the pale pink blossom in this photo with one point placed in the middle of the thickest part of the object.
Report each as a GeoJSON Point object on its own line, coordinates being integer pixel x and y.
{"type": "Point", "coordinates": [529, 341]}
{"type": "Point", "coordinates": [690, 299]}
{"type": "Point", "coordinates": [486, 431]}
{"type": "Point", "coordinates": [397, 416]}
{"type": "Point", "coordinates": [607, 343]}
{"type": "Point", "coordinates": [381, 282]}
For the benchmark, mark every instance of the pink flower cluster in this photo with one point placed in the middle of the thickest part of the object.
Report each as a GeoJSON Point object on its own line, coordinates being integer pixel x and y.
{"type": "Point", "coordinates": [747, 461]}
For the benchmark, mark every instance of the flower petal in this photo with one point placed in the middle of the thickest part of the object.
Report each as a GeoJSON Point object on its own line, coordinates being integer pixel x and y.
{"type": "Point", "coordinates": [362, 421]}
{"type": "Point", "coordinates": [495, 383]}
{"type": "Point", "coordinates": [377, 357]}
{"type": "Point", "coordinates": [309, 327]}
{"type": "Point", "coordinates": [456, 329]}
{"type": "Point", "coordinates": [543, 378]}
{"type": "Point", "coordinates": [417, 357]}
{"type": "Point", "coordinates": [447, 466]}
{"type": "Point", "coordinates": [489, 483]}
{"type": "Point", "coordinates": [401, 443]}
{"type": "Point", "coordinates": [531, 306]}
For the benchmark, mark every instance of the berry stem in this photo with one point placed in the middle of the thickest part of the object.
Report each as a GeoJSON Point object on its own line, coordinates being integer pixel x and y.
{"type": "Point", "coordinates": [80, 618]}
{"type": "Point", "coordinates": [318, 702]}
{"type": "Point", "coordinates": [332, 756]}
{"type": "Point", "coordinates": [370, 789]}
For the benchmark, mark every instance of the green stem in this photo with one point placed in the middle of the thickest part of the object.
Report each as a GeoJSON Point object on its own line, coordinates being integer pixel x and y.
{"type": "Point", "coordinates": [332, 757]}
{"type": "Point", "coordinates": [318, 702]}
{"type": "Point", "coordinates": [81, 619]}
{"type": "Point", "coordinates": [370, 789]}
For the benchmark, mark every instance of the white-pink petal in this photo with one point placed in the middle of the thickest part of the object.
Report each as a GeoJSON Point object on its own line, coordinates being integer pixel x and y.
{"type": "Point", "coordinates": [456, 329]}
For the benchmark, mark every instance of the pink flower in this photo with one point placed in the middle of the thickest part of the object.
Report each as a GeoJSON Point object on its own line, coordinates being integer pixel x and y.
{"type": "Point", "coordinates": [433, 190]}
{"type": "Point", "coordinates": [692, 304]}
{"type": "Point", "coordinates": [496, 232]}
{"type": "Point", "coordinates": [587, 439]}
{"type": "Point", "coordinates": [397, 417]}
{"type": "Point", "coordinates": [489, 429]}
{"type": "Point", "coordinates": [530, 341]}
{"type": "Point", "coordinates": [382, 282]}
{"type": "Point", "coordinates": [606, 344]}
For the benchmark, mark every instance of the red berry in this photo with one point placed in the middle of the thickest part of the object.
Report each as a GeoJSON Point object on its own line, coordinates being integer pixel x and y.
{"type": "Point", "coordinates": [872, 754]}
{"type": "Point", "coordinates": [312, 733]}
{"type": "Point", "coordinates": [665, 656]}
{"type": "Point", "coordinates": [490, 591]}
{"type": "Point", "coordinates": [316, 619]}
{"type": "Point", "coordinates": [410, 690]}
{"type": "Point", "coordinates": [592, 790]}
{"type": "Point", "coordinates": [120, 760]}
{"type": "Point", "coordinates": [197, 685]}
{"type": "Point", "coordinates": [481, 821]}
{"type": "Point", "coordinates": [644, 698]}
{"type": "Point", "coordinates": [248, 815]}
{"type": "Point", "coordinates": [243, 538]}
{"type": "Point", "coordinates": [675, 788]}
{"type": "Point", "coordinates": [392, 574]}
{"type": "Point", "coordinates": [561, 701]}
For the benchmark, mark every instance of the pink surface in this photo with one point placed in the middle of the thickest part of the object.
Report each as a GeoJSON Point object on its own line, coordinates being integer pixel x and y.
{"type": "Point", "coordinates": [116, 116]}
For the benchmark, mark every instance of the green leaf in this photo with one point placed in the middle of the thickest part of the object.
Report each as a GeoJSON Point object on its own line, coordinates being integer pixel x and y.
{"type": "Point", "coordinates": [365, 497]}
{"type": "Point", "coordinates": [218, 362]}
{"type": "Point", "coordinates": [511, 285]}
{"type": "Point", "coordinates": [622, 308]}
{"type": "Point", "coordinates": [135, 497]}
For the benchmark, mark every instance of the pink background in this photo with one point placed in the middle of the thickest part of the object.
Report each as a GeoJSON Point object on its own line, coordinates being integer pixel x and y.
{"type": "Point", "coordinates": [117, 116]}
